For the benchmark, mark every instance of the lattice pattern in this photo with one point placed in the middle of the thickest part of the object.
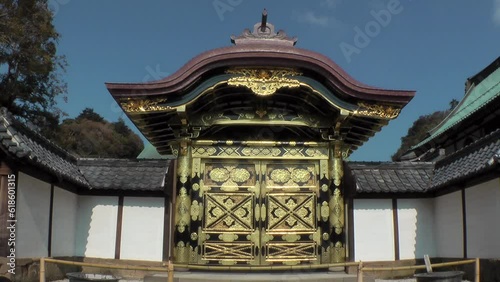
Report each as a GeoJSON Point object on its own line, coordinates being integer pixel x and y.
{"type": "Point", "coordinates": [237, 251]}
{"type": "Point", "coordinates": [286, 212]}
{"type": "Point", "coordinates": [291, 251]}
{"type": "Point", "coordinates": [229, 211]}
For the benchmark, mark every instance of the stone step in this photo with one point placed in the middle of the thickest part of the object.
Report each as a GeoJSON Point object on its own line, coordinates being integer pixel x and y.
{"type": "Point", "coordinates": [289, 276]}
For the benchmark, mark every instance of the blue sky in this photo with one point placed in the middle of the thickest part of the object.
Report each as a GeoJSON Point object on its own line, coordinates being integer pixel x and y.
{"type": "Point", "coordinates": [424, 45]}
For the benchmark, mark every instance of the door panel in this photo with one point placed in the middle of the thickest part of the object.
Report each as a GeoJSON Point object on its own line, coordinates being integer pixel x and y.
{"type": "Point", "coordinates": [290, 198]}
{"type": "Point", "coordinates": [259, 212]}
{"type": "Point", "coordinates": [229, 201]}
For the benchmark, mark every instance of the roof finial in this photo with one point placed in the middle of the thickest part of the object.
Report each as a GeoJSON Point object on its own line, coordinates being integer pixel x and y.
{"type": "Point", "coordinates": [263, 32]}
{"type": "Point", "coordinates": [263, 23]}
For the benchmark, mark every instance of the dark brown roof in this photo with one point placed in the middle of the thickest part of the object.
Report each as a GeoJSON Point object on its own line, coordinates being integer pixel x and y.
{"type": "Point", "coordinates": [261, 49]}
{"type": "Point", "coordinates": [259, 55]}
{"type": "Point", "coordinates": [391, 177]}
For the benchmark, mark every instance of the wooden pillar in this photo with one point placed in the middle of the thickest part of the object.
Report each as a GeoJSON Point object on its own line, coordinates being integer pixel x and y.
{"type": "Point", "coordinates": [182, 248]}
{"type": "Point", "coordinates": [337, 214]}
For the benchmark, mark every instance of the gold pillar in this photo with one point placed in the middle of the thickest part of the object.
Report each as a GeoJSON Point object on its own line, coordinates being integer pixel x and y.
{"type": "Point", "coordinates": [182, 248]}
{"type": "Point", "coordinates": [337, 214]}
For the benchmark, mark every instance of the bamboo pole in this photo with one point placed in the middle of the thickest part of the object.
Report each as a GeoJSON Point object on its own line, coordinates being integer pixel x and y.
{"type": "Point", "coordinates": [412, 267]}
{"type": "Point", "coordinates": [203, 267]}
{"type": "Point", "coordinates": [126, 267]}
{"type": "Point", "coordinates": [360, 271]}
{"type": "Point", "coordinates": [42, 270]}
{"type": "Point", "coordinates": [170, 271]}
{"type": "Point", "coordinates": [478, 271]}
{"type": "Point", "coordinates": [271, 267]}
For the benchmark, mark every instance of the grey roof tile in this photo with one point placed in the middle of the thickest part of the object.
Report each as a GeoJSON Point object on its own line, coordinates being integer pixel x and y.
{"type": "Point", "coordinates": [391, 177]}
{"type": "Point", "coordinates": [119, 174]}
{"type": "Point", "coordinates": [25, 144]}
{"type": "Point", "coordinates": [468, 162]}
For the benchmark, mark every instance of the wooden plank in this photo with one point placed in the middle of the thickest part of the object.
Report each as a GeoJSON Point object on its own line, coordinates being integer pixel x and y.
{"type": "Point", "coordinates": [428, 265]}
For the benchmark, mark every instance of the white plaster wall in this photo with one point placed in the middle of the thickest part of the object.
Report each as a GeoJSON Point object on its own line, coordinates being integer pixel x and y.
{"type": "Point", "coordinates": [373, 230]}
{"type": "Point", "coordinates": [142, 228]}
{"type": "Point", "coordinates": [96, 226]}
{"type": "Point", "coordinates": [448, 233]}
{"type": "Point", "coordinates": [482, 204]}
{"type": "Point", "coordinates": [33, 206]}
{"type": "Point", "coordinates": [416, 228]}
{"type": "Point", "coordinates": [64, 218]}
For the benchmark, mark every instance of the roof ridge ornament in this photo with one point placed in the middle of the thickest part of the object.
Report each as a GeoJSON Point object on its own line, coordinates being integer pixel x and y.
{"type": "Point", "coordinates": [263, 32]}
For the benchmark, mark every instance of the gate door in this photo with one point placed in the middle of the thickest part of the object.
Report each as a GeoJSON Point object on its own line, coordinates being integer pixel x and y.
{"type": "Point", "coordinates": [259, 213]}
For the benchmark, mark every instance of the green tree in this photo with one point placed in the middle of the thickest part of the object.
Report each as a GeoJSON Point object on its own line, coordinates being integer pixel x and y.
{"type": "Point", "coordinates": [420, 129]}
{"type": "Point", "coordinates": [90, 135]}
{"type": "Point", "coordinates": [88, 113]}
{"type": "Point", "coordinates": [30, 69]}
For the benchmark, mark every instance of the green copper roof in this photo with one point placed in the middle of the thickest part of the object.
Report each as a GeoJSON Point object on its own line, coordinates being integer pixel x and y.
{"type": "Point", "coordinates": [476, 98]}
{"type": "Point", "coordinates": [150, 152]}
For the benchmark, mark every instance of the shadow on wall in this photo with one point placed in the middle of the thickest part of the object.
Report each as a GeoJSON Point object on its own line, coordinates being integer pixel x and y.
{"type": "Point", "coordinates": [96, 226]}
{"type": "Point", "coordinates": [142, 227]}
{"type": "Point", "coordinates": [416, 228]}
{"type": "Point", "coordinates": [375, 231]}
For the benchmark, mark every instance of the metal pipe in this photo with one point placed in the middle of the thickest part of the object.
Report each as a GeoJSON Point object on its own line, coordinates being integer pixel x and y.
{"type": "Point", "coordinates": [263, 23]}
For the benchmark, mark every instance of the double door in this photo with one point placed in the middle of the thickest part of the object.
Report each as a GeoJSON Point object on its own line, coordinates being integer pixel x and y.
{"type": "Point", "coordinates": [258, 212]}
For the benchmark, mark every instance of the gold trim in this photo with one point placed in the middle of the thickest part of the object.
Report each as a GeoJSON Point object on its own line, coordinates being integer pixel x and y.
{"type": "Point", "coordinates": [263, 82]}
{"type": "Point", "coordinates": [139, 106]}
{"type": "Point", "coordinates": [377, 110]}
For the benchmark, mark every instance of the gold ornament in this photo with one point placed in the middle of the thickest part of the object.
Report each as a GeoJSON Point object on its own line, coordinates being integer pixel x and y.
{"type": "Point", "coordinates": [150, 105]}
{"type": "Point", "coordinates": [377, 111]}
{"type": "Point", "coordinates": [264, 81]}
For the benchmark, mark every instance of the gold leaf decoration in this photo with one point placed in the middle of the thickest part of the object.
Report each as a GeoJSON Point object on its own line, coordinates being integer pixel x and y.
{"type": "Point", "coordinates": [227, 262]}
{"type": "Point", "coordinates": [324, 187]}
{"type": "Point", "coordinates": [325, 211]}
{"type": "Point", "coordinates": [338, 253]}
{"type": "Point", "coordinates": [280, 175]}
{"type": "Point", "coordinates": [300, 175]}
{"type": "Point", "coordinates": [377, 111]}
{"type": "Point", "coordinates": [325, 236]}
{"type": "Point", "coordinates": [240, 175]}
{"type": "Point", "coordinates": [194, 236]}
{"type": "Point", "coordinates": [291, 237]}
{"type": "Point", "coordinates": [228, 237]}
{"type": "Point", "coordinates": [147, 105]}
{"type": "Point", "coordinates": [337, 211]}
{"type": "Point", "coordinates": [219, 174]}
{"type": "Point", "coordinates": [264, 81]}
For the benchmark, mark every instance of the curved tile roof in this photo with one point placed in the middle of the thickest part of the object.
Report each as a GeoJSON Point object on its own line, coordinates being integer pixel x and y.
{"type": "Point", "coordinates": [392, 177]}
{"type": "Point", "coordinates": [470, 161]}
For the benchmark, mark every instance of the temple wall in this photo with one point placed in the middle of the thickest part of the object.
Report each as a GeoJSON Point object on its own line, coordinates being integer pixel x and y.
{"type": "Point", "coordinates": [142, 228]}
{"type": "Point", "coordinates": [96, 226]}
{"type": "Point", "coordinates": [483, 228]}
{"type": "Point", "coordinates": [373, 230]}
{"type": "Point", "coordinates": [416, 228]}
{"type": "Point", "coordinates": [448, 231]}
{"type": "Point", "coordinates": [64, 219]}
{"type": "Point", "coordinates": [33, 206]}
